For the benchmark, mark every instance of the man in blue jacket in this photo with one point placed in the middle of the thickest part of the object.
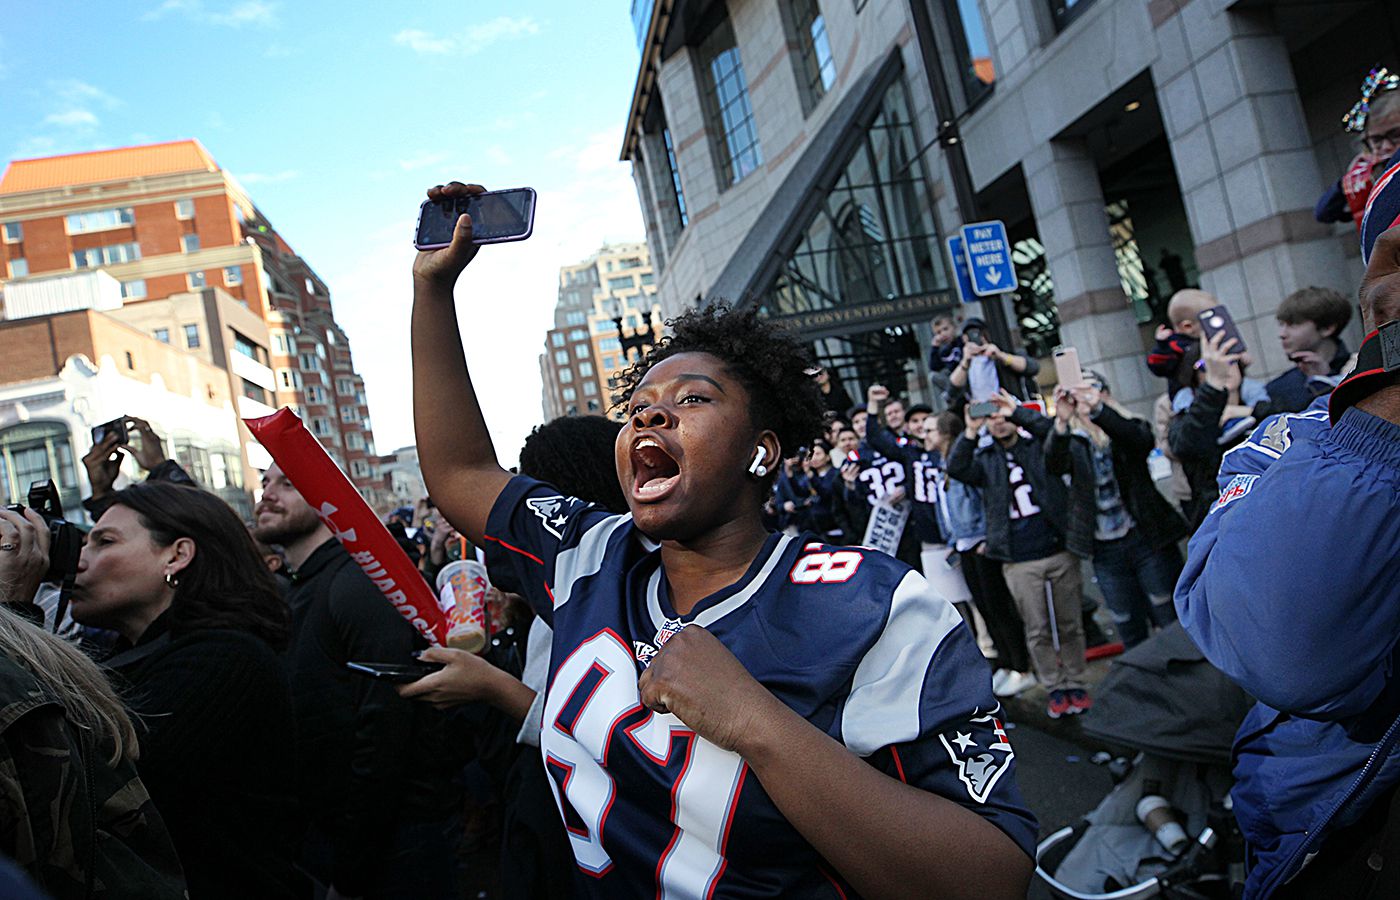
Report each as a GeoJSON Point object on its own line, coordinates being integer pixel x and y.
{"type": "Point", "coordinates": [1292, 587]}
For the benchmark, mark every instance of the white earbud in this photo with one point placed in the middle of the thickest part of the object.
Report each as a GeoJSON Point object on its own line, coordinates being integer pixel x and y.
{"type": "Point", "coordinates": [757, 467]}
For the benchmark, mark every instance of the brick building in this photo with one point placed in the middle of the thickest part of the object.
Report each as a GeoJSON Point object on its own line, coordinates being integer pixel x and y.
{"type": "Point", "coordinates": [69, 371]}
{"type": "Point", "coordinates": [165, 220]}
{"type": "Point", "coordinates": [606, 314]}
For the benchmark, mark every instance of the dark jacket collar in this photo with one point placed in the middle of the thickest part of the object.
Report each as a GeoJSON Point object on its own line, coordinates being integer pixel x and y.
{"type": "Point", "coordinates": [320, 558]}
{"type": "Point", "coordinates": [156, 636]}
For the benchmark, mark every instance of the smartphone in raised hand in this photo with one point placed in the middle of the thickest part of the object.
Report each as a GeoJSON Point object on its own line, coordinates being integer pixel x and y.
{"type": "Point", "coordinates": [497, 217]}
{"type": "Point", "coordinates": [1217, 320]}
{"type": "Point", "coordinates": [1067, 369]}
{"type": "Point", "coordinates": [117, 426]}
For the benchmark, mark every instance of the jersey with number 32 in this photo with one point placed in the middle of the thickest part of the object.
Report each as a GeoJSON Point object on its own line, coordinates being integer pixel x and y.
{"type": "Point", "coordinates": [851, 639]}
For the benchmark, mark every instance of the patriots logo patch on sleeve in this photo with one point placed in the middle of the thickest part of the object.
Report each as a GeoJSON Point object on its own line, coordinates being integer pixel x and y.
{"type": "Point", "coordinates": [553, 512]}
{"type": "Point", "coordinates": [981, 756]}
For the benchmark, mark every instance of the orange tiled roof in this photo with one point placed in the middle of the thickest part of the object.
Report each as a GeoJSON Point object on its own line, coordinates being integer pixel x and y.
{"type": "Point", "coordinates": [106, 165]}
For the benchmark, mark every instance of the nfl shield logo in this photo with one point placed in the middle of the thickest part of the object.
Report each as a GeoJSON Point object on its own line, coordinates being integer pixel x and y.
{"type": "Point", "coordinates": [669, 629]}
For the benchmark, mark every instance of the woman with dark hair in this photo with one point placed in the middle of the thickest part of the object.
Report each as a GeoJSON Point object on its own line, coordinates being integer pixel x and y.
{"type": "Point", "coordinates": [693, 649]}
{"type": "Point", "coordinates": [174, 572]}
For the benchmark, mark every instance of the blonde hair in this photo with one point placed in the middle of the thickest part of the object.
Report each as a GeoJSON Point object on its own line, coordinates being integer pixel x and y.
{"type": "Point", "coordinates": [86, 694]}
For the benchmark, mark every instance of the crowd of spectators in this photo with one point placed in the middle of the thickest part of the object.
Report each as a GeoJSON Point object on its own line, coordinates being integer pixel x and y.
{"type": "Point", "coordinates": [183, 721]}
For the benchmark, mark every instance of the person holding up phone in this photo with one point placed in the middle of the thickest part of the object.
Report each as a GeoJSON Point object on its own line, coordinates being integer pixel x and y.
{"type": "Point", "coordinates": [717, 773]}
{"type": "Point", "coordinates": [104, 461]}
{"type": "Point", "coordinates": [985, 368]}
{"type": "Point", "coordinates": [1028, 530]}
{"type": "Point", "coordinates": [1211, 417]}
{"type": "Point", "coordinates": [1103, 449]}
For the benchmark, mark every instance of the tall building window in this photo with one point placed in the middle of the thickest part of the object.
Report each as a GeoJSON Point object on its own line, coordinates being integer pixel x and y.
{"type": "Point", "coordinates": [233, 275]}
{"type": "Point", "coordinates": [195, 280]}
{"type": "Point", "coordinates": [621, 283]}
{"type": "Point", "coordinates": [557, 338]}
{"type": "Point", "coordinates": [192, 336]}
{"type": "Point", "coordinates": [585, 369]}
{"type": "Point", "coordinates": [561, 357]}
{"type": "Point", "coordinates": [134, 289]}
{"type": "Point", "coordinates": [14, 232]}
{"type": "Point", "coordinates": [348, 415]}
{"type": "Point", "coordinates": [189, 243]}
{"type": "Point", "coordinates": [100, 220]}
{"type": "Point", "coordinates": [675, 176]}
{"type": "Point", "coordinates": [581, 351]}
{"type": "Point", "coordinates": [110, 255]}
{"type": "Point", "coordinates": [728, 108]}
{"type": "Point", "coordinates": [162, 335]}
{"type": "Point", "coordinates": [184, 209]}
{"type": "Point", "coordinates": [816, 70]}
{"type": "Point", "coordinates": [345, 387]}
{"type": "Point", "coordinates": [566, 376]}
{"type": "Point", "coordinates": [19, 267]}
{"type": "Point", "coordinates": [570, 394]}
{"type": "Point", "coordinates": [1066, 11]}
{"type": "Point", "coordinates": [971, 48]}
{"type": "Point", "coordinates": [315, 394]}
{"type": "Point", "coordinates": [590, 389]}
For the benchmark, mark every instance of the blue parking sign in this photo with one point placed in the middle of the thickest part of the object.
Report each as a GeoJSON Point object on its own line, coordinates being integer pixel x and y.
{"type": "Point", "coordinates": [961, 276]}
{"type": "Point", "coordinates": [988, 255]}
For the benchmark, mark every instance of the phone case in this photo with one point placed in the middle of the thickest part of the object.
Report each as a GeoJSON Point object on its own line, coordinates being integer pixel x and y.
{"type": "Point", "coordinates": [1067, 367]}
{"type": "Point", "coordinates": [529, 230]}
{"type": "Point", "coordinates": [1226, 324]}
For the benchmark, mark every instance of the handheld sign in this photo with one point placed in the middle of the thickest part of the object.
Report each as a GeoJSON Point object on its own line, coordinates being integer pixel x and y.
{"type": "Point", "coordinates": [335, 500]}
{"type": "Point", "coordinates": [961, 277]}
{"type": "Point", "coordinates": [989, 258]}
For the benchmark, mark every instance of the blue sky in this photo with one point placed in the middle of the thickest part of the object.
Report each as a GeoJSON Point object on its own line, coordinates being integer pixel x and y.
{"type": "Point", "coordinates": [335, 117]}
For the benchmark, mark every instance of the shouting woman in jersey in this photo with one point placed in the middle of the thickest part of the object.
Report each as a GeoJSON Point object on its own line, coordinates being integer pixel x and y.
{"type": "Point", "coordinates": [729, 712]}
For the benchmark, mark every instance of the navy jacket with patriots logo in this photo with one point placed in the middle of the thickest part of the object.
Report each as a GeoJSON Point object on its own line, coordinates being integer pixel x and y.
{"type": "Point", "coordinates": [853, 640]}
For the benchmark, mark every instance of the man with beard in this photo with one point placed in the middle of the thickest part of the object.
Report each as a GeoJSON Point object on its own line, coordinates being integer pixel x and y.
{"type": "Point", "coordinates": [373, 789]}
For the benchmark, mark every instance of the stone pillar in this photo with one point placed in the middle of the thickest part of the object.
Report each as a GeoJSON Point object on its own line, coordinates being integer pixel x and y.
{"type": "Point", "coordinates": [1095, 317]}
{"type": "Point", "coordinates": [1248, 173]}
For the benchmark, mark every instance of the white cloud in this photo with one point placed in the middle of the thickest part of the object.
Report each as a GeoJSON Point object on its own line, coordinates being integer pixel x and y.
{"type": "Point", "coordinates": [422, 42]}
{"type": "Point", "coordinates": [76, 92]}
{"type": "Point", "coordinates": [269, 177]}
{"type": "Point", "coordinates": [249, 12]}
{"type": "Point", "coordinates": [500, 28]}
{"type": "Point", "coordinates": [473, 40]}
{"type": "Point", "coordinates": [505, 300]}
{"type": "Point", "coordinates": [73, 118]}
{"type": "Point", "coordinates": [246, 12]}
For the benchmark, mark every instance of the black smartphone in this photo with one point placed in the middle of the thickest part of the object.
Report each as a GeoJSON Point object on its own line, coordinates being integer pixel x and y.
{"type": "Point", "coordinates": [1217, 319]}
{"type": "Point", "coordinates": [116, 426]}
{"type": "Point", "coordinates": [497, 217]}
{"type": "Point", "coordinates": [981, 409]}
{"type": "Point", "coordinates": [394, 673]}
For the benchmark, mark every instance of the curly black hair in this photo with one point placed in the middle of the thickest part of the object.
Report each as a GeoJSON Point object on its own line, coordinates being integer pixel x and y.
{"type": "Point", "coordinates": [772, 365]}
{"type": "Point", "coordinates": [575, 455]}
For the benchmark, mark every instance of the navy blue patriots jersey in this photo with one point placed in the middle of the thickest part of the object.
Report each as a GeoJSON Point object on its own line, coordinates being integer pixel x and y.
{"type": "Point", "coordinates": [853, 640]}
{"type": "Point", "coordinates": [923, 468]}
{"type": "Point", "coordinates": [880, 475]}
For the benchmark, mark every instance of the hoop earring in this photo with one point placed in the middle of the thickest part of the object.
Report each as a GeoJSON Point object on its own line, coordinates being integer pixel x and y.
{"type": "Point", "coordinates": [757, 467]}
{"type": "Point", "coordinates": [171, 581]}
